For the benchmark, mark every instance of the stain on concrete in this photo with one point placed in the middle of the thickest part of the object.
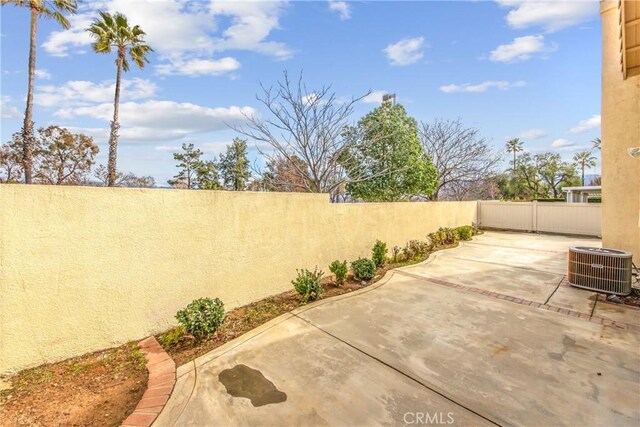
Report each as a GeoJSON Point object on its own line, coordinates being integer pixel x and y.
{"type": "Point", "coordinates": [568, 344]}
{"type": "Point", "coordinates": [243, 381]}
{"type": "Point", "coordinates": [500, 349]}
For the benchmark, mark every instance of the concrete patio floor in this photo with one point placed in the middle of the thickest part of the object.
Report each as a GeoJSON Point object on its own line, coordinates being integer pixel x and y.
{"type": "Point", "coordinates": [470, 337]}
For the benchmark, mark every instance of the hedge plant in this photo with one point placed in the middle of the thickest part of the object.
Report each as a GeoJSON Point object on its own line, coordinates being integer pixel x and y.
{"type": "Point", "coordinates": [202, 317]}
{"type": "Point", "coordinates": [465, 232]}
{"type": "Point", "coordinates": [307, 284]}
{"type": "Point", "coordinates": [340, 270]}
{"type": "Point", "coordinates": [363, 269]}
{"type": "Point", "coordinates": [379, 253]}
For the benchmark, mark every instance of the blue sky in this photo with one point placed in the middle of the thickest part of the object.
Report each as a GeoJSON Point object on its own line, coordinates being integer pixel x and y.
{"type": "Point", "coordinates": [512, 68]}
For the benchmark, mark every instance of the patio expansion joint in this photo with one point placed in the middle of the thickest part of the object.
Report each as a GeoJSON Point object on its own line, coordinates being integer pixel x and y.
{"type": "Point", "coordinates": [495, 295]}
{"type": "Point", "coordinates": [555, 290]}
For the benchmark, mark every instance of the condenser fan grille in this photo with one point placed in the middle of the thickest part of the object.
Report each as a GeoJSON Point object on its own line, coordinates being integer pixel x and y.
{"type": "Point", "coordinates": [602, 270]}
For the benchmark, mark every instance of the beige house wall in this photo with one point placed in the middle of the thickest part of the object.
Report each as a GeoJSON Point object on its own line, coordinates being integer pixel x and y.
{"type": "Point", "coordinates": [84, 268]}
{"type": "Point", "coordinates": [620, 130]}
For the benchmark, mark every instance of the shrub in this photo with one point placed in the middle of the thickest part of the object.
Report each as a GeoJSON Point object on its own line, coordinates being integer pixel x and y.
{"type": "Point", "coordinates": [340, 270]}
{"type": "Point", "coordinates": [465, 232]}
{"type": "Point", "coordinates": [202, 317]}
{"type": "Point", "coordinates": [418, 247]}
{"type": "Point", "coordinates": [396, 252]}
{"type": "Point", "coordinates": [379, 253]}
{"type": "Point", "coordinates": [363, 269]}
{"type": "Point", "coordinates": [444, 236]}
{"type": "Point", "coordinates": [172, 337]}
{"type": "Point", "coordinates": [307, 284]}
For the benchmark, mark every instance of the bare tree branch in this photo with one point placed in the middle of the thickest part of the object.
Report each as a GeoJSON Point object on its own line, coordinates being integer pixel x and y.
{"type": "Point", "coordinates": [462, 157]}
{"type": "Point", "coordinates": [304, 129]}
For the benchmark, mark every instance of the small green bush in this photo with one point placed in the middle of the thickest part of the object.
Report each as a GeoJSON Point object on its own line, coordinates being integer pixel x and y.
{"type": "Point", "coordinates": [465, 232]}
{"type": "Point", "coordinates": [172, 337]}
{"type": "Point", "coordinates": [379, 253]}
{"type": "Point", "coordinates": [340, 269]}
{"type": "Point", "coordinates": [307, 284]}
{"type": "Point", "coordinates": [363, 269]}
{"type": "Point", "coordinates": [202, 317]}
{"type": "Point", "coordinates": [444, 236]}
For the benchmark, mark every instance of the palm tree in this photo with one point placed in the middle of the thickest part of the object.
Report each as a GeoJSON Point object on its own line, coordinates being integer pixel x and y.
{"type": "Point", "coordinates": [597, 143]}
{"type": "Point", "coordinates": [113, 31]}
{"type": "Point", "coordinates": [584, 160]}
{"type": "Point", "coordinates": [514, 146]}
{"type": "Point", "coordinates": [52, 9]}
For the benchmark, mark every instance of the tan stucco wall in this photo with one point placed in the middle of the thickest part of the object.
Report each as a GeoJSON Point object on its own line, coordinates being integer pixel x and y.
{"type": "Point", "coordinates": [87, 268]}
{"type": "Point", "coordinates": [620, 130]}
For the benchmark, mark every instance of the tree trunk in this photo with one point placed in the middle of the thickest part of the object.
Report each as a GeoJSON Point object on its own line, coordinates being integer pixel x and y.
{"type": "Point", "coordinates": [583, 175]}
{"type": "Point", "coordinates": [113, 137]}
{"type": "Point", "coordinates": [514, 163]}
{"type": "Point", "coordinates": [27, 128]}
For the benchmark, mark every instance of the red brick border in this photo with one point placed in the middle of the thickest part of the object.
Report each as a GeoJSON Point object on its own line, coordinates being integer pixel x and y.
{"type": "Point", "coordinates": [496, 295]}
{"type": "Point", "coordinates": [162, 378]}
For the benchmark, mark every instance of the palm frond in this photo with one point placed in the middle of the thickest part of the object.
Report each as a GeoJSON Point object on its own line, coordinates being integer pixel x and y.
{"type": "Point", "coordinates": [55, 15]}
{"type": "Point", "coordinates": [113, 30]}
{"type": "Point", "coordinates": [17, 3]}
{"type": "Point", "coordinates": [69, 6]}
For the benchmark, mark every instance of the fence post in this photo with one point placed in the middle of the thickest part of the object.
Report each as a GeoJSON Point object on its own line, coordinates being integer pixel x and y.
{"type": "Point", "coordinates": [534, 216]}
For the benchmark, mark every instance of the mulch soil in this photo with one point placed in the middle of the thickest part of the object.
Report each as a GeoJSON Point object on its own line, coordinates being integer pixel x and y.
{"type": "Point", "coordinates": [97, 389]}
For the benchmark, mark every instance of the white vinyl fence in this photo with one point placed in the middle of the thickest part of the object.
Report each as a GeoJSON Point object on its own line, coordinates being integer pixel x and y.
{"type": "Point", "coordinates": [561, 218]}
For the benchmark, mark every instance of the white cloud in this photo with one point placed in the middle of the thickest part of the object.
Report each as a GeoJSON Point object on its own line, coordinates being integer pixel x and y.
{"type": "Point", "coordinates": [375, 97]}
{"type": "Point", "coordinates": [252, 22]}
{"type": "Point", "coordinates": [8, 111]}
{"type": "Point", "coordinates": [341, 8]}
{"type": "Point", "coordinates": [59, 42]}
{"type": "Point", "coordinates": [591, 123]}
{"type": "Point", "coordinates": [532, 134]}
{"type": "Point", "coordinates": [81, 92]}
{"type": "Point", "coordinates": [200, 67]}
{"type": "Point", "coordinates": [215, 147]}
{"type": "Point", "coordinates": [162, 120]}
{"type": "Point", "coordinates": [185, 36]}
{"type": "Point", "coordinates": [520, 49]}
{"type": "Point", "coordinates": [550, 15]}
{"type": "Point", "coordinates": [561, 143]}
{"type": "Point", "coordinates": [168, 148]}
{"type": "Point", "coordinates": [43, 74]}
{"type": "Point", "coordinates": [481, 87]}
{"type": "Point", "coordinates": [564, 145]}
{"type": "Point", "coordinates": [405, 52]}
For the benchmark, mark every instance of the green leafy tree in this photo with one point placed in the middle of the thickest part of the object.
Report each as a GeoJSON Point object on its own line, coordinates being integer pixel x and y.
{"type": "Point", "coordinates": [514, 146]}
{"type": "Point", "coordinates": [114, 32]}
{"type": "Point", "coordinates": [526, 184]}
{"type": "Point", "coordinates": [555, 173]}
{"type": "Point", "coordinates": [52, 9]}
{"type": "Point", "coordinates": [189, 162]}
{"type": "Point", "coordinates": [234, 166]}
{"type": "Point", "coordinates": [195, 172]}
{"type": "Point", "coordinates": [64, 157]}
{"type": "Point", "coordinates": [584, 160]}
{"type": "Point", "coordinates": [597, 143]}
{"type": "Point", "coordinates": [59, 156]}
{"type": "Point", "coordinates": [387, 163]}
{"type": "Point", "coordinates": [11, 163]}
{"type": "Point", "coordinates": [207, 175]}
